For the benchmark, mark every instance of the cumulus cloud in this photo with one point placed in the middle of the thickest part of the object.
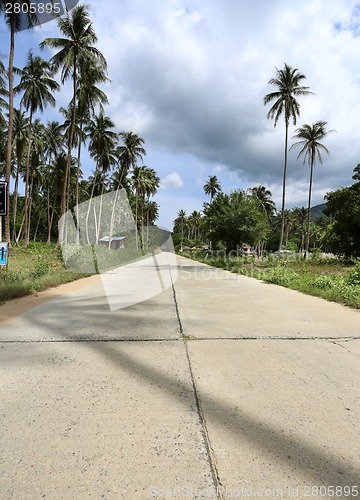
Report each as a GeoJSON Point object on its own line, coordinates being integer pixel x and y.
{"type": "Point", "coordinates": [191, 77]}
{"type": "Point", "coordinates": [172, 180]}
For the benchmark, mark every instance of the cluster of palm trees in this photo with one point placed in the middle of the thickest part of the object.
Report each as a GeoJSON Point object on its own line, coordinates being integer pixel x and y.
{"type": "Point", "coordinates": [288, 87]}
{"type": "Point", "coordinates": [43, 154]}
{"type": "Point", "coordinates": [193, 229]}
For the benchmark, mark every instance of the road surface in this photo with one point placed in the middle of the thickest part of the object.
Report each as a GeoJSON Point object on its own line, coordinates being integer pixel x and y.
{"type": "Point", "coordinates": [220, 387]}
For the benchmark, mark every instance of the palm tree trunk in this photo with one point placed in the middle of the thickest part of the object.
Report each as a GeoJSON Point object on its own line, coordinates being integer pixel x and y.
{"type": "Point", "coordinates": [77, 185]}
{"type": "Point", "coordinates": [89, 207]}
{"type": "Point", "coordinates": [284, 184]}
{"type": "Point", "coordinates": [68, 161]}
{"type": "Point", "coordinates": [309, 203]}
{"type": "Point", "coordinates": [27, 215]}
{"type": "Point", "coordinates": [15, 200]}
{"type": "Point", "coordinates": [10, 130]}
{"type": "Point", "coordinates": [136, 220]}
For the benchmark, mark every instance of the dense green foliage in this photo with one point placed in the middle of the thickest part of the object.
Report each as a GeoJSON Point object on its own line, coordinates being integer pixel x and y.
{"type": "Point", "coordinates": [343, 209]}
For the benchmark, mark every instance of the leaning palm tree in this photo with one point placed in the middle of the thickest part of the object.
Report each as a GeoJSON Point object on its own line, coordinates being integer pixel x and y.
{"type": "Point", "coordinates": [212, 187]}
{"type": "Point", "coordinates": [311, 147]}
{"type": "Point", "coordinates": [16, 19]}
{"type": "Point", "coordinates": [287, 81]}
{"type": "Point", "coordinates": [75, 48]}
{"type": "Point", "coordinates": [37, 85]}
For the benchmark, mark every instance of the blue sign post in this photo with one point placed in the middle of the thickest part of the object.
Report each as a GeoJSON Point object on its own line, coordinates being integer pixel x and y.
{"type": "Point", "coordinates": [4, 253]}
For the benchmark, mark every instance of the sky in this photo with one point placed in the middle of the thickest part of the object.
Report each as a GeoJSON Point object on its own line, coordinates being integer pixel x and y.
{"type": "Point", "coordinates": [189, 76]}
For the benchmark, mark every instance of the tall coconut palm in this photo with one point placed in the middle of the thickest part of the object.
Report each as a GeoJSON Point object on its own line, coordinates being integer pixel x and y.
{"type": "Point", "coordinates": [300, 214]}
{"type": "Point", "coordinates": [212, 187]}
{"type": "Point", "coordinates": [20, 138]}
{"type": "Point", "coordinates": [16, 20]}
{"type": "Point", "coordinates": [141, 183]}
{"type": "Point", "coordinates": [102, 142]}
{"type": "Point", "coordinates": [153, 183]}
{"type": "Point", "coordinates": [311, 148]}
{"type": "Point", "coordinates": [37, 85]}
{"type": "Point", "coordinates": [130, 153]}
{"type": "Point", "coordinates": [287, 81]}
{"type": "Point", "coordinates": [75, 48]}
{"type": "Point", "coordinates": [88, 97]}
{"type": "Point", "coordinates": [180, 223]}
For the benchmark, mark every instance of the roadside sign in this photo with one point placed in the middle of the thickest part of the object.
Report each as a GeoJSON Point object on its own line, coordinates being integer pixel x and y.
{"type": "Point", "coordinates": [4, 253]}
{"type": "Point", "coordinates": [3, 189]}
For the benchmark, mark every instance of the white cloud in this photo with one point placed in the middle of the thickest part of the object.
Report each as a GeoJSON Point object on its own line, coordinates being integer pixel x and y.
{"type": "Point", "coordinates": [172, 180]}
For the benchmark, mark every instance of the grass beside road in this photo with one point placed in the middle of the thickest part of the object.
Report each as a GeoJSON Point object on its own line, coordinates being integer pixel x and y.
{"type": "Point", "coordinates": [35, 269]}
{"type": "Point", "coordinates": [331, 279]}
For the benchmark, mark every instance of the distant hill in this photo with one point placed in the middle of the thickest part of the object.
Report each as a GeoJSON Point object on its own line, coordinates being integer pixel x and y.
{"type": "Point", "coordinates": [317, 212]}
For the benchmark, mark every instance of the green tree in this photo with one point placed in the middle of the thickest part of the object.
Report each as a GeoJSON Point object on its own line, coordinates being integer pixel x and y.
{"type": "Point", "coordinates": [76, 49]}
{"type": "Point", "coordinates": [234, 219]}
{"type": "Point", "coordinates": [36, 85]}
{"type": "Point", "coordinates": [343, 208]}
{"type": "Point", "coordinates": [287, 81]}
{"type": "Point", "coordinates": [311, 148]}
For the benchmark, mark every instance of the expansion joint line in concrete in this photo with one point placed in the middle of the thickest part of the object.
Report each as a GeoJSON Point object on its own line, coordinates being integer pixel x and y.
{"type": "Point", "coordinates": [209, 448]}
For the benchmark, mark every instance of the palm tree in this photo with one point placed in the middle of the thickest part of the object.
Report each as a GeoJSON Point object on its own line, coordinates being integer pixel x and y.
{"type": "Point", "coordinates": [36, 83]}
{"type": "Point", "coordinates": [141, 182]}
{"type": "Point", "coordinates": [180, 223]}
{"type": "Point", "coordinates": [301, 218]}
{"type": "Point", "coordinates": [153, 183]}
{"type": "Point", "coordinates": [16, 21]}
{"type": "Point", "coordinates": [264, 196]}
{"type": "Point", "coordinates": [194, 220]}
{"type": "Point", "coordinates": [212, 187]}
{"type": "Point", "coordinates": [88, 97]}
{"type": "Point", "coordinates": [76, 49]}
{"type": "Point", "coordinates": [287, 81]}
{"type": "Point", "coordinates": [20, 138]}
{"type": "Point", "coordinates": [102, 142]}
{"type": "Point", "coordinates": [129, 153]}
{"type": "Point", "coordinates": [311, 147]}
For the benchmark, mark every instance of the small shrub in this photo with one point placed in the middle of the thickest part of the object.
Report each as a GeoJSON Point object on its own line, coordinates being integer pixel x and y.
{"type": "Point", "coordinates": [354, 275]}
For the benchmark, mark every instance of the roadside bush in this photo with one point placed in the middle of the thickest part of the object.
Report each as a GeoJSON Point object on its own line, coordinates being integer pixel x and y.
{"type": "Point", "coordinates": [354, 275]}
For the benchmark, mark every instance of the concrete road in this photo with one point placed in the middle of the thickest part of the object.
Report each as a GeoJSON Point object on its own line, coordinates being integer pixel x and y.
{"type": "Point", "coordinates": [222, 387]}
